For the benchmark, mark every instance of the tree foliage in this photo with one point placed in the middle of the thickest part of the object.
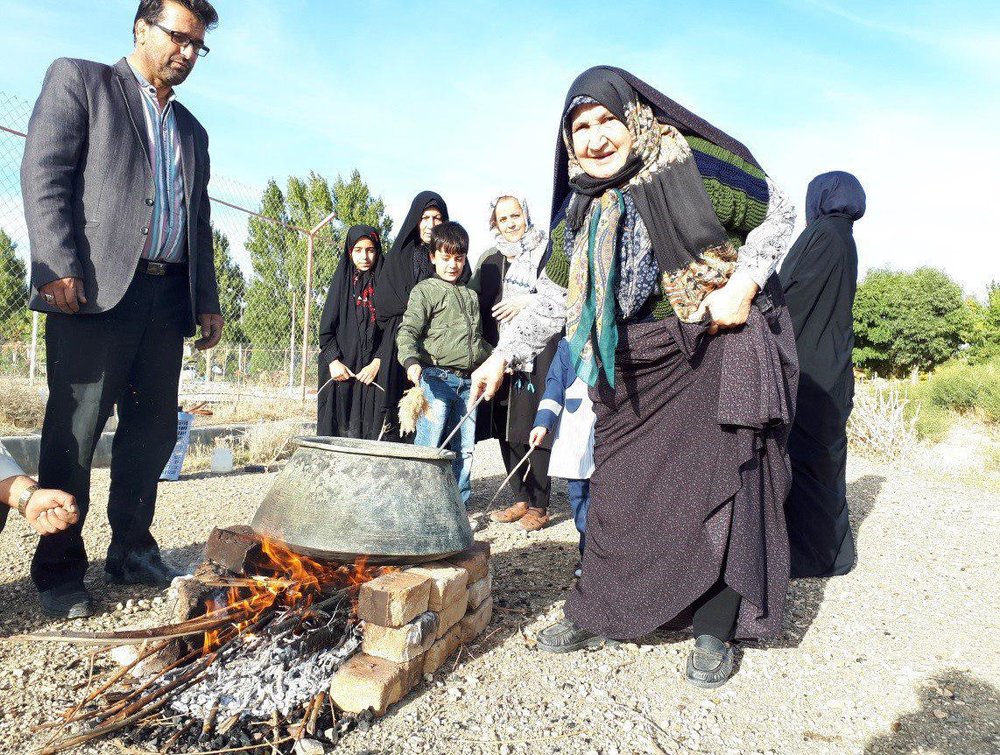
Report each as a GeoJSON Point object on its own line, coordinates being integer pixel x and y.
{"type": "Point", "coordinates": [232, 288]}
{"type": "Point", "coordinates": [907, 321]}
{"type": "Point", "coordinates": [15, 320]}
{"type": "Point", "coordinates": [278, 254]}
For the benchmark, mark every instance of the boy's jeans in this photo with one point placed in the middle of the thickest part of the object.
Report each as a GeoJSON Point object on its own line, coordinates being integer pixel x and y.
{"type": "Point", "coordinates": [578, 492]}
{"type": "Point", "coordinates": [448, 395]}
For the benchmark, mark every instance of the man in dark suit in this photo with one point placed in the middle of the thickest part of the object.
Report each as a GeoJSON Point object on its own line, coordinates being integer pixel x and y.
{"type": "Point", "coordinates": [115, 184]}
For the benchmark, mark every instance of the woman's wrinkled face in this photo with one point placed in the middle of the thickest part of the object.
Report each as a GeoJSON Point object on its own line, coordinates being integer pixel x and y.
{"type": "Point", "coordinates": [509, 219]}
{"type": "Point", "coordinates": [363, 254]}
{"type": "Point", "coordinates": [432, 216]}
{"type": "Point", "coordinates": [601, 142]}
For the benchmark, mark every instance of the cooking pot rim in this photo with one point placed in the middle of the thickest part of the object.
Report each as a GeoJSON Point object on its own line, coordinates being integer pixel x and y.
{"type": "Point", "coordinates": [373, 448]}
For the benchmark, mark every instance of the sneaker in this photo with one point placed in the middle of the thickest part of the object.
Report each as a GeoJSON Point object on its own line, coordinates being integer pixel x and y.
{"type": "Point", "coordinates": [578, 570]}
{"type": "Point", "coordinates": [476, 522]}
{"type": "Point", "coordinates": [710, 663]}
{"type": "Point", "coordinates": [147, 569]}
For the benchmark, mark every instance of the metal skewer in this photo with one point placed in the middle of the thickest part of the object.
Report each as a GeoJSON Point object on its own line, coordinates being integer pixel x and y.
{"type": "Point", "coordinates": [511, 475]}
{"type": "Point", "coordinates": [462, 422]}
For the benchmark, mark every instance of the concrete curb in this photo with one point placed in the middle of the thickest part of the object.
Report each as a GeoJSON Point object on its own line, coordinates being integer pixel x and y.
{"type": "Point", "coordinates": [25, 448]}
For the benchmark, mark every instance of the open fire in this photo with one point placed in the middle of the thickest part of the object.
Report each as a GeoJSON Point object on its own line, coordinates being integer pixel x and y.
{"type": "Point", "coordinates": [253, 668]}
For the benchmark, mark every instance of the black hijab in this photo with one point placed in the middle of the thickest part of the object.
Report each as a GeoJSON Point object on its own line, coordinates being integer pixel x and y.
{"type": "Point", "coordinates": [835, 193]}
{"type": "Point", "coordinates": [408, 262]}
{"type": "Point", "coordinates": [347, 329]}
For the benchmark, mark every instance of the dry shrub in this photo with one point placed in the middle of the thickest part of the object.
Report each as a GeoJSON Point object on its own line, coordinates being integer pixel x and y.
{"type": "Point", "coordinates": [267, 442]}
{"type": "Point", "coordinates": [881, 424]}
{"type": "Point", "coordinates": [22, 409]}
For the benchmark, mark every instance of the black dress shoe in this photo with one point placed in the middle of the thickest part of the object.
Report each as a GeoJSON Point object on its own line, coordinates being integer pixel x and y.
{"type": "Point", "coordinates": [565, 637]}
{"type": "Point", "coordinates": [143, 570]}
{"type": "Point", "coordinates": [710, 663]}
{"type": "Point", "coordinates": [67, 602]}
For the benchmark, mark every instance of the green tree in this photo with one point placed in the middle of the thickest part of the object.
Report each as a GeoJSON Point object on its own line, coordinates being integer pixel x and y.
{"type": "Point", "coordinates": [279, 255]}
{"type": "Point", "coordinates": [907, 321]}
{"type": "Point", "coordinates": [355, 204]}
{"type": "Point", "coordinates": [232, 288]}
{"type": "Point", "coordinates": [15, 320]}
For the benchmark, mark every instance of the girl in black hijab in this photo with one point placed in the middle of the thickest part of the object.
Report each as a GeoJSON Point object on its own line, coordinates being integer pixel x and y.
{"type": "Point", "coordinates": [408, 263]}
{"type": "Point", "coordinates": [820, 277]}
{"type": "Point", "coordinates": [350, 342]}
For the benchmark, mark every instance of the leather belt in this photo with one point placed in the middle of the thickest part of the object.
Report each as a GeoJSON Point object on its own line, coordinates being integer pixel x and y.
{"type": "Point", "coordinates": [153, 267]}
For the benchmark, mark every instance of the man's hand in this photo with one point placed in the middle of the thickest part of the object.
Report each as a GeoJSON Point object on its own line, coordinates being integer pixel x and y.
{"type": "Point", "coordinates": [729, 306]}
{"type": "Point", "coordinates": [413, 372]}
{"type": "Point", "coordinates": [537, 435]}
{"type": "Point", "coordinates": [50, 511]}
{"type": "Point", "coordinates": [370, 372]}
{"type": "Point", "coordinates": [211, 331]}
{"type": "Point", "coordinates": [486, 379]}
{"type": "Point", "coordinates": [66, 294]}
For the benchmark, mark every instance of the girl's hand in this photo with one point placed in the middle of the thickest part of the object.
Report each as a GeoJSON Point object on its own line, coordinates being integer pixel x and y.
{"type": "Point", "coordinates": [370, 372]}
{"type": "Point", "coordinates": [537, 436]}
{"type": "Point", "coordinates": [339, 371]}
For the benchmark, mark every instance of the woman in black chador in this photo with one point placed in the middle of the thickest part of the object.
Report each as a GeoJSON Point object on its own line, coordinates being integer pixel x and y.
{"type": "Point", "coordinates": [407, 264]}
{"type": "Point", "coordinates": [350, 343]}
{"type": "Point", "coordinates": [820, 276]}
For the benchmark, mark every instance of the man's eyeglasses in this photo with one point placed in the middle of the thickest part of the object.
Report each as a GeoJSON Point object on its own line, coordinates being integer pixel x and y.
{"type": "Point", "coordinates": [182, 40]}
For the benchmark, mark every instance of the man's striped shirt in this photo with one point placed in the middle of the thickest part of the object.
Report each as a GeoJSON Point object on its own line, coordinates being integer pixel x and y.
{"type": "Point", "coordinates": [166, 240]}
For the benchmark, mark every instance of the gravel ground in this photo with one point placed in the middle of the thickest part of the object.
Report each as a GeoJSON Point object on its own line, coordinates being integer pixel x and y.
{"type": "Point", "coordinates": [899, 656]}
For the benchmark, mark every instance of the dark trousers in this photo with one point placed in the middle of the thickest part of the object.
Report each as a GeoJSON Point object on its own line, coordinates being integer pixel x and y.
{"type": "Point", "coordinates": [129, 355]}
{"type": "Point", "coordinates": [716, 612]}
{"type": "Point", "coordinates": [534, 488]}
{"type": "Point", "coordinates": [578, 492]}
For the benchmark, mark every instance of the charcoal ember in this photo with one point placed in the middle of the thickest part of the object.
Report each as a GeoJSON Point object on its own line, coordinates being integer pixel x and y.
{"type": "Point", "coordinates": [236, 549]}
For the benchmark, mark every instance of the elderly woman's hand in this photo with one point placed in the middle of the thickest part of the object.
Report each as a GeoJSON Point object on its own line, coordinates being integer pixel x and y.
{"type": "Point", "coordinates": [51, 511]}
{"type": "Point", "coordinates": [508, 309]}
{"type": "Point", "coordinates": [729, 306]}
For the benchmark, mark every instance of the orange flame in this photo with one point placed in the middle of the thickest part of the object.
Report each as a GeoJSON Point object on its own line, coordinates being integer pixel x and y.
{"type": "Point", "coordinates": [287, 579]}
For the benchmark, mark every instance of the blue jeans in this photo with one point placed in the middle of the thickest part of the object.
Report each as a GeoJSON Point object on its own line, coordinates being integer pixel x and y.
{"type": "Point", "coordinates": [578, 492]}
{"type": "Point", "coordinates": [448, 395]}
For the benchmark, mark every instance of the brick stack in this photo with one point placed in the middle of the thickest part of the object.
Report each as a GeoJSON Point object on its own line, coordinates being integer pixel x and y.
{"type": "Point", "coordinates": [414, 620]}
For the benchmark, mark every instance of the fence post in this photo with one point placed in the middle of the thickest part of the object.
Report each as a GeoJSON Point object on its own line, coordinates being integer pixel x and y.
{"type": "Point", "coordinates": [308, 302]}
{"type": "Point", "coordinates": [291, 349]}
{"type": "Point", "coordinates": [34, 348]}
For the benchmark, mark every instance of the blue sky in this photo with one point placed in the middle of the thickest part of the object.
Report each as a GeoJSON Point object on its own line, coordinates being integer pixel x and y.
{"type": "Point", "coordinates": [464, 97]}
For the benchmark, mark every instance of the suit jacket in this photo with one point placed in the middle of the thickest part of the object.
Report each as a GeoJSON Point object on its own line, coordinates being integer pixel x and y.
{"type": "Point", "coordinates": [87, 185]}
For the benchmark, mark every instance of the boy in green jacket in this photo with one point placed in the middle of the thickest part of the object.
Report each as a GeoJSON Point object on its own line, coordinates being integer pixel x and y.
{"type": "Point", "coordinates": [440, 343]}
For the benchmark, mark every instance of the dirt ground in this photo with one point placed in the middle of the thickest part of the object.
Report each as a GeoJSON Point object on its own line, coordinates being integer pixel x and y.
{"type": "Point", "coordinates": [899, 656]}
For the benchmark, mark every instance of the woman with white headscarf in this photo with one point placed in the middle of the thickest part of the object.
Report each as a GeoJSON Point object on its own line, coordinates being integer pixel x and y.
{"type": "Point", "coordinates": [506, 280]}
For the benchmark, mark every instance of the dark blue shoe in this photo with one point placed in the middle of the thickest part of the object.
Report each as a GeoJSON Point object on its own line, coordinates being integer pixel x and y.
{"type": "Point", "coordinates": [147, 569]}
{"type": "Point", "coordinates": [67, 602]}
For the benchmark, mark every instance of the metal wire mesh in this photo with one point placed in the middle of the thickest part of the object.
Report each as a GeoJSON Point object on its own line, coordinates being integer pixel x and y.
{"type": "Point", "coordinates": [261, 353]}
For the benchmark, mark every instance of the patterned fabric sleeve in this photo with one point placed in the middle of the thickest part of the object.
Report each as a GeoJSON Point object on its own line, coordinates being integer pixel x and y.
{"type": "Point", "coordinates": [767, 244]}
{"type": "Point", "coordinates": [529, 332]}
{"type": "Point", "coordinates": [8, 467]}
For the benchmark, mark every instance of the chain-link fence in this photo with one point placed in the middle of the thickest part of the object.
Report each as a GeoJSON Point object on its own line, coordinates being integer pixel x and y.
{"type": "Point", "coordinates": [257, 369]}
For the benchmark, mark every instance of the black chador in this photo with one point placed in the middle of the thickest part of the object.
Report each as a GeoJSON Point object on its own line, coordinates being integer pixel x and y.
{"type": "Point", "coordinates": [820, 277]}
{"type": "Point", "coordinates": [348, 332]}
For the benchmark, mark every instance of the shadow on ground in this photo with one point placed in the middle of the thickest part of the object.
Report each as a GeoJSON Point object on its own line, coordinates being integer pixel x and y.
{"type": "Point", "coordinates": [958, 713]}
{"type": "Point", "coordinates": [106, 595]}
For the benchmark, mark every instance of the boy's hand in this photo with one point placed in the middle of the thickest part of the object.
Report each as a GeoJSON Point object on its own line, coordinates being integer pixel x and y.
{"type": "Point", "coordinates": [537, 435]}
{"type": "Point", "coordinates": [368, 373]}
{"type": "Point", "coordinates": [339, 371]}
{"type": "Point", "coordinates": [413, 373]}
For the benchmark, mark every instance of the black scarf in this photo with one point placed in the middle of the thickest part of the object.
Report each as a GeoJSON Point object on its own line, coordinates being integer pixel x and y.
{"type": "Point", "coordinates": [408, 262]}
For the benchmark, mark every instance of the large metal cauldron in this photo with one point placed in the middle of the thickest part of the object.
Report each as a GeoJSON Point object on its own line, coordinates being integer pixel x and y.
{"type": "Point", "coordinates": [340, 498]}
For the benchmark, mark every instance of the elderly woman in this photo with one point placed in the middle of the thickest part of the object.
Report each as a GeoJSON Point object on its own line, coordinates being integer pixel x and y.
{"type": "Point", "coordinates": [506, 280]}
{"type": "Point", "coordinates": [407, 264]}
{"type": "Point", "coordinates": [350, 343]}
{"type": "Point", "coordinates": [665, 236]}
{"type": "Point", "coordinates": [820, 277]}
